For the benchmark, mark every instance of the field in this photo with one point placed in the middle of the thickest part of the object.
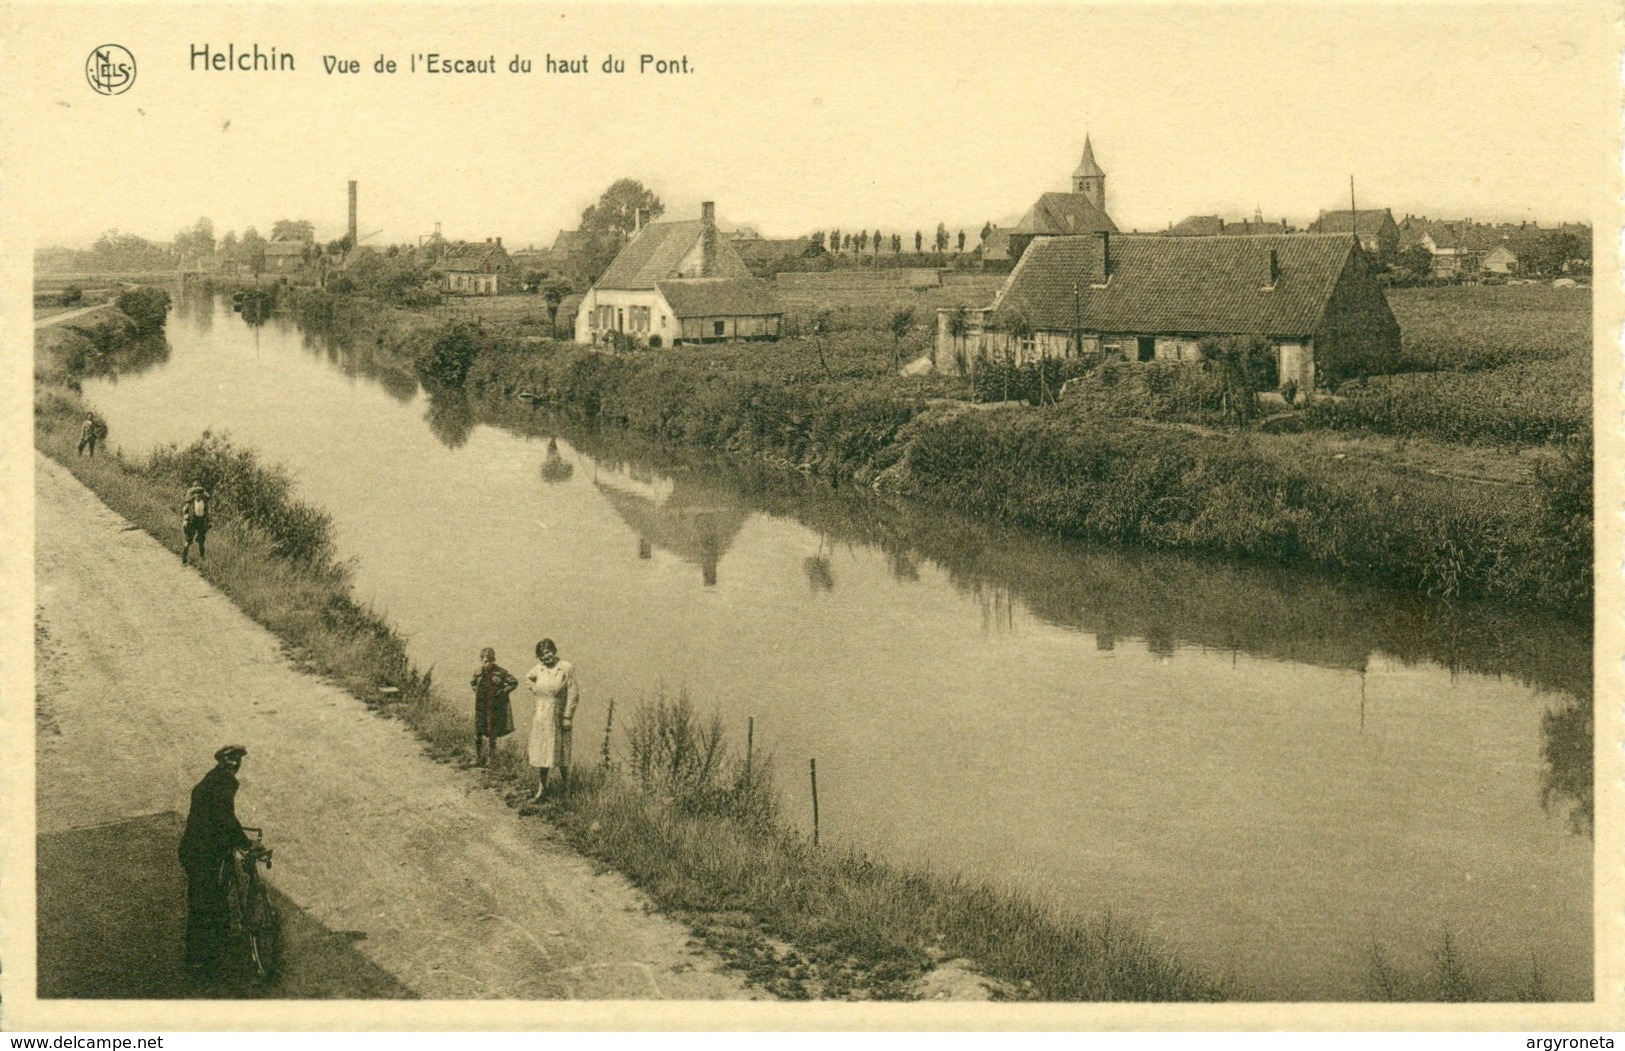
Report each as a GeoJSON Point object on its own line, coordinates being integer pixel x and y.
{"type": "Point", "coordinates": [1507, 365]}
{"type": "Point", "coordinates": [1466, 327]}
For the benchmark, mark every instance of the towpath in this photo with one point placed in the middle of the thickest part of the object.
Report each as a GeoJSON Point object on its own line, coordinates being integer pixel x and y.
{"type": "Point", "coordinates": [144, 669]}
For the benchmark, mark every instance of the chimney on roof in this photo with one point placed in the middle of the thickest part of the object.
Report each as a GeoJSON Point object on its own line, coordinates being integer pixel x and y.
{"type": "Point", "coordinates": [499, 242]}
{"type": "Point", "coordinates": [353, 230]}
{"type": "Point", "coordinates": [1103, 271]}
{"type": "Point", "coordinates": [708, 239]}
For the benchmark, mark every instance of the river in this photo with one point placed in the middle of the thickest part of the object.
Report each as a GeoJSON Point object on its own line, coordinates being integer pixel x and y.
{"type": "Point", "coordinates": [1275, 773]}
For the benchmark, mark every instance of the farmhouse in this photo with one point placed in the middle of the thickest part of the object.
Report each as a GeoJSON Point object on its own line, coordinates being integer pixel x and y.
{"type": "Point", "coordinates": [678, 282]}
{"type": "Point", "coordinates": [286, 257]}
{"type": "Point", "coordinates": [1311, 297]}
{"type": "Point", "coordinates": [476, 269]}
{"type": "Point", "coordinates": [1375, 227]}
{"type": "Point", "coordinates": [1082, 211]}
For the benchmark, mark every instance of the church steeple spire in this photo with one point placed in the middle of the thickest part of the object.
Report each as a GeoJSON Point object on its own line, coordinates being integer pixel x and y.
{"type": "Point", "coordinates": [1089, 179]}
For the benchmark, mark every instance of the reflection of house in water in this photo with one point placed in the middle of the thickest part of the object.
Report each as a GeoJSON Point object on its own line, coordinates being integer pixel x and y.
{"type": "Point", "coordinates": [693, 522]}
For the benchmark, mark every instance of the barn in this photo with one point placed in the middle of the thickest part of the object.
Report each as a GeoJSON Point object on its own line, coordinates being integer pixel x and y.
{"type": "Point", "coordinates": [1313, 298]}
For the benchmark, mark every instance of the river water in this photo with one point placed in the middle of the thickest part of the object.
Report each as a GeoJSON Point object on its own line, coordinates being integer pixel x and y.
{"type": "Point", "coordinates": [1272, 772]}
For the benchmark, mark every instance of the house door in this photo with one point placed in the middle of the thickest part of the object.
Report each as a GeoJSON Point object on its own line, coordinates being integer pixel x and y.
{"type": "Point", "coordinates": [1147, 348]}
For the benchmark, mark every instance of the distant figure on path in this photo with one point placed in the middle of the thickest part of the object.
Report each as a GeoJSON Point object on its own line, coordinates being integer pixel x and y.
{"type": "Point", "coordinates": [212, 833]}
{"type": "Point", "coordinates": [493, 714]}
{"type": "Point", "coordinates": [91, 432]}
{"type": "Point", "coordinates": [553, 683]}
{"type": "Point", "coordinates": [194, 520]}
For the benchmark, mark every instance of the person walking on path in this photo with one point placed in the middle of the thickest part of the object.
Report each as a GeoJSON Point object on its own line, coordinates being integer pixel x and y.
{"type": "Point", "coordinates": [194, 520]}
{"type": "Point", "coordinates": [553, 683]}
{"type": "Point", "coordinates": [91, 432]}
{"type": "Point", "coordinates": [493, 713]}
{"type": "Point", "coordinates": [212, 833]}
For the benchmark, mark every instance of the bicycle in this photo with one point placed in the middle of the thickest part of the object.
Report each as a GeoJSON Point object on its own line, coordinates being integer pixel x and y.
{"type": "Point", "coordinates": [255, 924]}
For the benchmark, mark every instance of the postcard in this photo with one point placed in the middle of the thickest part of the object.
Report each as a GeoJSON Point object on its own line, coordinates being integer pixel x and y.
{"type": "Point", "coordinates": [832, 516]}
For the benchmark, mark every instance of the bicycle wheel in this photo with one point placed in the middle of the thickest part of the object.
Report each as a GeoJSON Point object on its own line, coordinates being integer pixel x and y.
{"type": "Point", "coordinates": [264, 935]}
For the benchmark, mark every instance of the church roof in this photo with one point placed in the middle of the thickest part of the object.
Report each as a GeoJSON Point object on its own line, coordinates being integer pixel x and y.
{"type": "Point", "coordinates": [1087, 168]}
{"type": "Point", "coordinates": [1062, 214]}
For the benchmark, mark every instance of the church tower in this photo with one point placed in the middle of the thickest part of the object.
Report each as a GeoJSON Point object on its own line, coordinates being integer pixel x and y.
{"type": "Point", "coordinates": [1089, 180]}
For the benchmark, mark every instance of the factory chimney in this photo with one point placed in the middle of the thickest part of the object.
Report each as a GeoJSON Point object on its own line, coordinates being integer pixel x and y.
{"type": "Point", "coordinates": [353, 231]}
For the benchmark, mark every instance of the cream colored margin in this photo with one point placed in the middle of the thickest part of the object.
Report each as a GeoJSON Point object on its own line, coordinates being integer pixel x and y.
{"type": "Point", "coordinates": [29, 49]}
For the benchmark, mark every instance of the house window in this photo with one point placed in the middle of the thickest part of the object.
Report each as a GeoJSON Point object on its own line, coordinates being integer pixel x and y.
{"type": "Point", "coordinates": [717, 328]}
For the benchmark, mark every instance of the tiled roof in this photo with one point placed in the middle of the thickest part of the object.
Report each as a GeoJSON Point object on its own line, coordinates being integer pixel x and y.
{"type": "Point", "coordinates": [478, 257]}
{"type": "Point", "coordinates": [1369, 222]}
{"type": "Point", "coordinates": [657, 251]}
{"type": "Point", "coordinates": [1190, 285]}
{"type": "Point", "coordinates": [286, 247]}
{"type": "Point", "coordinates": [566, 242]}
{"type": "Point", "coordinates": [1213, 225]}
{"type": "Point", "coordinates": [720, 297]}
{"type": "Point", "coordinates": [1064, 213]}
{"type": "Point", "coordinates": [765, 250]}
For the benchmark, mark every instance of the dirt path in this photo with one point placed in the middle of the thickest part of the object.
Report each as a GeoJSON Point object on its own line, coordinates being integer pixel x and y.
{"type": "Point", "coordinates": [144, 670]}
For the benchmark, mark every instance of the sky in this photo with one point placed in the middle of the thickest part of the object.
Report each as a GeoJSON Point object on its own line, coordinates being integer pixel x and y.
{"type": "Point", "coordinates": [800, 118]}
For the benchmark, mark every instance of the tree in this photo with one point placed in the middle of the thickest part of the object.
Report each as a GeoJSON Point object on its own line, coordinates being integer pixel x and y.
{"type": "Point", "coordinates": [862, 242]}
{"type": "Point", "coordinates": [919, 239]}
{"type": "Point", "coordinates": [961, 241]}
{"type": "Point", "coordinates": [817, 238]}
{"type": "Point", "coordinates": [553, 292]}
{"type": "Point", "coordinates": [1416, 259]}
{"type": "Point", "coordinates": [606, 225]}
{"type": "Point", "coordinates": [834, 240]}
{"type": "Point", "coordinates": [877, 242]}
{"type": "Point", "coordinates": [900, 324]}
{"type": "Point", "coordinates": [253, 251]}
{"type": "Point", "coordinates": [987, 228]}
{"type": "Point", "coordinates": [293, 230]}
{"type": "Point", "coordinates": [896, 244]}
{"type": "Point", "coordinates": [942, 238]}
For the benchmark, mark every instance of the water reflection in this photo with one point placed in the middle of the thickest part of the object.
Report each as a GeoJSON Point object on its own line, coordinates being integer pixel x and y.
{"type": "Point", "coordinates": [1164, 601]}
{"type": "Point", "coordinates": [693, 521]}
{"type": "Point", "coordinates": [449, 416]}
{"type": "Point", "coordinates": [555, 468]}
{"type": "Point", "coordinates": [1566, 732]}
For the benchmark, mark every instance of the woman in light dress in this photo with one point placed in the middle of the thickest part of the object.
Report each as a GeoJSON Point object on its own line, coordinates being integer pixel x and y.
{"type": "Point", "coordinates": [553, 684]}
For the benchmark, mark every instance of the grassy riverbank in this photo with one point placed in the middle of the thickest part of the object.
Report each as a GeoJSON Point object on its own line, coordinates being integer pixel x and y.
{"type": "Point", "coordinates": [1086, 468]}
{"type": "Point", "coordinates": [679, 812]}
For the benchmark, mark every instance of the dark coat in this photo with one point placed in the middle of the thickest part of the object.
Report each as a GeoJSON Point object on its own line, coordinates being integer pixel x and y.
{"type": "Point", "coordinates": [493, 712]}
{"type": "Point", "coordinates": [212, 828]}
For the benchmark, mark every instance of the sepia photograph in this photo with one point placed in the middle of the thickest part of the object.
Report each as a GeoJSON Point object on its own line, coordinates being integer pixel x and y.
{"type": "Point", "coordinates": [634, 516]}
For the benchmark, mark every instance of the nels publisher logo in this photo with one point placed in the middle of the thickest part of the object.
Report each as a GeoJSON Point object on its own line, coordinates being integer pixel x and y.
{"type": "Point", "coordinates": [110, 69]}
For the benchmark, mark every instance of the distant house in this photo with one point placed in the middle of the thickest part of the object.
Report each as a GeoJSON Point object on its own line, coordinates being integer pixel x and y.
{"type": "Point", "coordinates": [286, 257]}
{"type": "Point", "coordinates": [1218, 226]}
{"type": "Point", "coordinates": [1500, 260]}
{"type": "Point", "coordinates": [476, 269]}
{"type": "Point", "coordinates": [1375, 227]}
{"type": "Point", "coordinates": [996, 251]}
{"type": "Point", "coordinates": [566, 246]}
{"type": "Point", "coordinates": [679, 282]}
{"type": "Point", "coordinates": [564, 319]}
{"type": "Point", "coordinates": [1312, 298]}
{"type": "Point", "coordinates": [1081, 211]}
{"type": "Point", "coordinates": [768, 256]}
{"type": "Point", "coordinates": [1459, 247]}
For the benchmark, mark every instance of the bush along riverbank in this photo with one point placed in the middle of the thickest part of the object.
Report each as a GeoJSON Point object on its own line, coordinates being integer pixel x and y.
{"type": "Point", "coordinates": [1065, 471]}
{"type": "Point", "coordinates": [669, 803]}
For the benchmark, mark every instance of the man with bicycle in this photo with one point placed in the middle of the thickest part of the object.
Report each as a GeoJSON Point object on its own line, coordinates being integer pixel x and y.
{"type": "Point", "coordinates": [212, 833]}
